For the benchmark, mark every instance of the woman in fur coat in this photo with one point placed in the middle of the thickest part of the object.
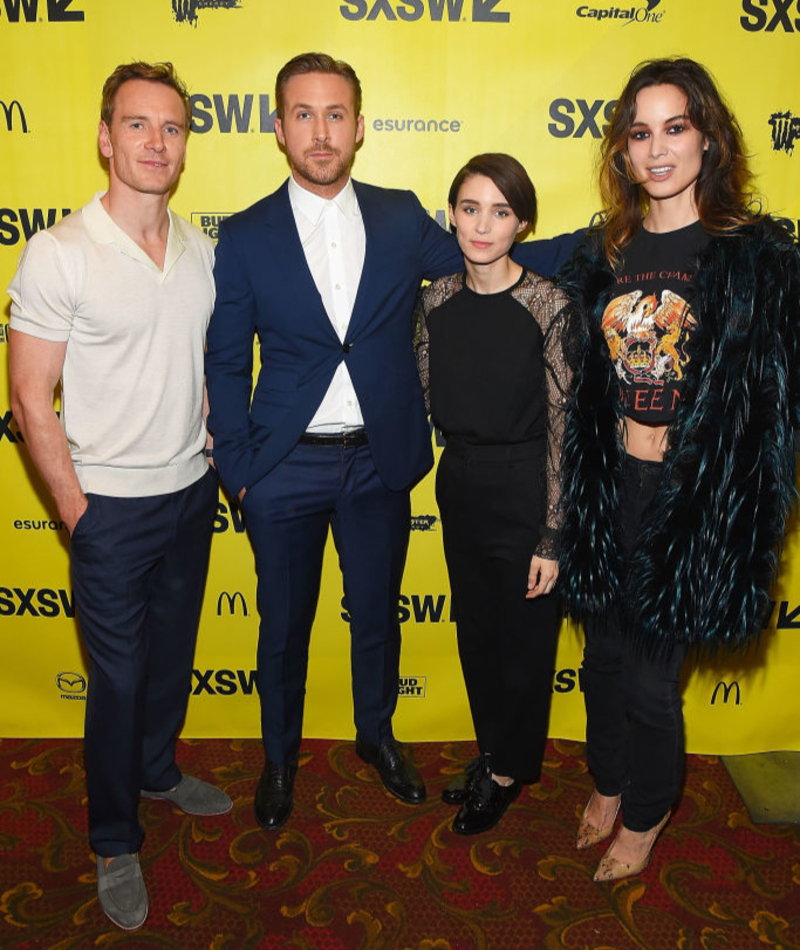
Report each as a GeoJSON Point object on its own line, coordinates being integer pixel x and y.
{"type": "Point", "coordinates": [678, 452]}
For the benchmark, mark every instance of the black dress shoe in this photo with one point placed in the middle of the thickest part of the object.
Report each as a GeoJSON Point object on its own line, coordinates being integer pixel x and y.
{"type": "Point", "coordinates": [457, 792]}
{"type": "Point", "coordinates": [397, 772]}
{"type": "Point", "coordinates": [486, 805]}
{"type": "Point", "coordinates": [273, 800]}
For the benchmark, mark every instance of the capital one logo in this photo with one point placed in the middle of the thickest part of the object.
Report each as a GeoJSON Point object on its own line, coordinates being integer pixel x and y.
{"type": "Point", "coordinates": [727, 690]}
{"type": "Point", "coordinates": [9, 110]}
{"type": "Point", "coordinates": [768, 15]}
{"type": "Point", "coordinates": [55, 11]}
{"type": "Point", "coordinates": [478, 11]}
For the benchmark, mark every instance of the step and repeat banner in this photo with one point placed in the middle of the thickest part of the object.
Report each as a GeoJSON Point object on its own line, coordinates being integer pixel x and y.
{"type": "Point", "coordinates": [443, 80]}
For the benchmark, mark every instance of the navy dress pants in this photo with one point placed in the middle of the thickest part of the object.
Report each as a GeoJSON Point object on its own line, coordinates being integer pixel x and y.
{"type": "Point", "coordinates": [492, 502]}
{"type": "Point", "coordinates": [139, 569]}
{"type": "Point", "coordinates": [288, 514]}
{"type": "Point", "coordinates": [634, 711]}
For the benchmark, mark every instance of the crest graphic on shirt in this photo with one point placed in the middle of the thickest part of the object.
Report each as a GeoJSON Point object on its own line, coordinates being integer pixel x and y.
{"type": "Point", "coordinates": [646, 336]}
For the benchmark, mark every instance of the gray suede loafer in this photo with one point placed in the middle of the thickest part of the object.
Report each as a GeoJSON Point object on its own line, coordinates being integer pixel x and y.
{"type": "Point", "coordinates": [121, 891]}
{"type": "Point", "coordinates": [194, 797]}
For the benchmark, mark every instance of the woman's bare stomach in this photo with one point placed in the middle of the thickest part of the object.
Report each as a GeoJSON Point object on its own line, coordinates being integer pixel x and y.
{"type": "Point", "coordinates": [644, 442]}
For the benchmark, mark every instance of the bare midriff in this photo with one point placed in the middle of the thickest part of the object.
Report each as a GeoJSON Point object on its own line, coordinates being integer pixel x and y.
{"type": "Point", "coordinates": [644, 442]}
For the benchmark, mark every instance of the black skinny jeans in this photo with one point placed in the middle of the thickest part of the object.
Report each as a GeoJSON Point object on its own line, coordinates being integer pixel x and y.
{"type": "Point", "coordinates": [634, 711]}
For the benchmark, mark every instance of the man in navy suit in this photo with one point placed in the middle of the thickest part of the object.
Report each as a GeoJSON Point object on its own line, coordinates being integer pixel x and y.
{"type": "Point", "coordinates": [324, 272]}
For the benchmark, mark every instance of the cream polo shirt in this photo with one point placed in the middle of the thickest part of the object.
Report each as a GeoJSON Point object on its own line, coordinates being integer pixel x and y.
{"type": "Point", "coordinates": [132, 383]}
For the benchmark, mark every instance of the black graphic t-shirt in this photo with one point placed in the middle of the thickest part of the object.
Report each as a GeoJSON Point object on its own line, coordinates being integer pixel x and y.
{"type": "Point", "coordinates": [648, 324]}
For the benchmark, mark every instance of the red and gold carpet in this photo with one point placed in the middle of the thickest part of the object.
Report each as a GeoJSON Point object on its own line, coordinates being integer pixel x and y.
{"type": "Point", "coordinates": [354, 869]}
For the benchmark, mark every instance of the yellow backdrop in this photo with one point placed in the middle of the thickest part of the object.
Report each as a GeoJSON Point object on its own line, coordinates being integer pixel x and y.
{"type": "Point", "coordinates": [443, 80]}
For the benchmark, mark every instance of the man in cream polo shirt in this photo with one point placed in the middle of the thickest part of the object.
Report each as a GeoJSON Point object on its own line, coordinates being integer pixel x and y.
{"type": "Point", "coordinates": [114, 302]}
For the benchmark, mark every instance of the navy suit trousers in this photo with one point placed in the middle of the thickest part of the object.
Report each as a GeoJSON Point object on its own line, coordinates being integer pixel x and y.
{"type": "Point", "coordinates": [288, 513]}
{"type": "Point", "coordinates": [139, 570]}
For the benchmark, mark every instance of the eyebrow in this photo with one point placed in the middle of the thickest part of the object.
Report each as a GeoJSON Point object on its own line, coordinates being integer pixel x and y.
{"type": "Point", "coordinates": [308, 105]}
{"type": "Point", "coordinates": [474, 201]}
{"type": "Point", "coordinates": [672, 118]}
{"type": "Point", "coordinates": [146, 118]}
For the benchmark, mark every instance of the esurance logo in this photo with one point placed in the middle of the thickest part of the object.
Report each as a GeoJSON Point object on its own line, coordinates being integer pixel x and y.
{"type": "Point", "coordinates": [575, 118]}
{"type": "Point", "coordinates": [785, 131]}
{"type": "Point", "coordinates": [19, 223]}
{"type": "Point", "coordinates": [10, 110]}
{"type": "Point", "coordinates": [31, 11]}
{"type": "Point", "coordinates": [453, 11]}
{"type": "Point", "coordinates": [232, 113]}
{"type": "Point", "coordinates": [768, 15]}
{"type": "Point", "coordinates": [209, 222]}
{"type": "Point", "coordinates": [185, 11]}
{"type": "Point", "coordinates": [624, 16]}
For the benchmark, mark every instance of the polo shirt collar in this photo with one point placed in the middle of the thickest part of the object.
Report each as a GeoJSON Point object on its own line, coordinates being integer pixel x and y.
{"type": "Point", "coordinates": [102, 229]}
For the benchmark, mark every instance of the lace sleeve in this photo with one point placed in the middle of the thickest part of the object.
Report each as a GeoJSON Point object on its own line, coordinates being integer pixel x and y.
{"type": "Point", "coordinates": [428, 299]}
{"type": "Point", "coordinates": [421, 344]}
{"type": "Point", "coordinates": [549, 307]}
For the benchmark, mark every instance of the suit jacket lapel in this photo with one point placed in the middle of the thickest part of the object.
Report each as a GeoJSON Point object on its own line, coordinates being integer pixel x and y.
{"type": "Point", "coordinates": [286, 260]}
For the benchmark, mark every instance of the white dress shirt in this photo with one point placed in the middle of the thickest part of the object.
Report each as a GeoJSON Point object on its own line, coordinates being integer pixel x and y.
{"type": "Point", "coordinates": [332, 234]}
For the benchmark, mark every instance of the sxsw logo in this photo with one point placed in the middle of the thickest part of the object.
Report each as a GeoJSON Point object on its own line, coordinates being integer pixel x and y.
{"type": "Point", "coordinates": [185, 11]}
{"type": "Point", "coordinates": [785, 131]}
{"type": "Point", "coordinates": [232, 113]}
{"type": "Point", "coordinates": [231, 601]}
{"type": "Point", "coordinates": [71, 686]}
{"type": "Point", "coordinates": [412, 686]}
{"type": "Point", "coordinates": [7, 431]}
{"type": "Point", "coordinates": [726, 690]}
{"type": "Point", "coordinates": [19, 223]}
{"type": "Point", "coordinates": [227, 518]}
{"type": "Point", "coordinates": [32, 602]}
{"type": "Point", "coordinates": [479, 11]}
{"type": "Point", "coordinates": [574, 118]}
{"type": "Point", "coordinates": [56, 11]}
{"type": "Point", "coordinates": [768, 15]}
{"type": "Point", "coordinates": [9, 110]}
{"type": "Point", "coordinates": [224, 682]}
{"type": "Point", "coordinates": [209, 222]}
{"type": "Point", "coordinates": [3, 333]}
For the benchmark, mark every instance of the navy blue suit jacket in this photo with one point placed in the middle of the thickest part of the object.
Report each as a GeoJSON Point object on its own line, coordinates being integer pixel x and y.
{"type": "Point", "coordinates": [265, 289]}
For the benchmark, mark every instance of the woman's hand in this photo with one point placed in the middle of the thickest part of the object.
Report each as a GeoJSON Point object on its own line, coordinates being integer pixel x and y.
{"type": "Point", "coordinates": [542, 576]}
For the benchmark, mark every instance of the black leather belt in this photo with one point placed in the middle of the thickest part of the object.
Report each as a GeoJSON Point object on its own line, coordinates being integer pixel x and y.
{"type": "Point", "coordinates": [350, 439]}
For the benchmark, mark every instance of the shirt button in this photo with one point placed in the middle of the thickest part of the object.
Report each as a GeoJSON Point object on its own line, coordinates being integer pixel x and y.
{"type": "Point", "coordinates": [337, 286]}
{"type": "Point", "coordinates": [333, 243]}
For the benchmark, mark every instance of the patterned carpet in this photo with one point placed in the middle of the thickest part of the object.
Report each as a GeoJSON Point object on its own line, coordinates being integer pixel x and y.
{"type": "Point", "coordinates": [356, 870]}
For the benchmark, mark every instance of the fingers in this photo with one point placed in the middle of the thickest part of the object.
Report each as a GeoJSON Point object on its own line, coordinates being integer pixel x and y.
{"type": "Point", "coordinates": [541, 577]}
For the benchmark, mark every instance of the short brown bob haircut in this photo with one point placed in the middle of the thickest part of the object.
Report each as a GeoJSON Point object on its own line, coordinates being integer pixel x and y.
{"type": "Point", "coordinates": [510, 178]}
{"type": "Point", "coordinates": [316, 63]}
{"type": "Point", "coordinates": [150, 72]}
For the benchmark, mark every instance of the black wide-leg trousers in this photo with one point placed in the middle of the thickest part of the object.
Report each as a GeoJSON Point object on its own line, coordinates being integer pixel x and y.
{"type": "Point", "coordinates": [491, 500]}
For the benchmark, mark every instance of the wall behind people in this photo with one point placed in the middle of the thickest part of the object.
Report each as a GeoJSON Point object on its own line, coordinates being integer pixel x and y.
{"type": "Point", "coordinates": [443, 80]}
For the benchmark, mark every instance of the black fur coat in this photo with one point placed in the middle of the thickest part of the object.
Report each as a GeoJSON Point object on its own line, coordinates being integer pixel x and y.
{"type": "Point", "coordinates": [709, 549]}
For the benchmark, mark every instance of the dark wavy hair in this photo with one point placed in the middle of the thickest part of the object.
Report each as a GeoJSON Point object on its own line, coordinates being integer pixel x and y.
{"type": "Point", "coordinates": [510, 177]}
{"type": "Point", "coordinates": [723, 190]}
{"type": "Point", "coordinates": [163, 73]}
{"type": "Point", "coordinates": [316, 63]}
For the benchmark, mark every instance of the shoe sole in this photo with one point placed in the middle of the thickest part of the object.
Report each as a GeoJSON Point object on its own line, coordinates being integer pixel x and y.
{"type": "Point", "coordinates": [127, 930]}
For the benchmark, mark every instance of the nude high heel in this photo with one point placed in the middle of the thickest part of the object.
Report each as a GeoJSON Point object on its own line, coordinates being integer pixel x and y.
{"type": "Point", "coordinates": [610, 869]}
{"type": "Point", "coordinates": [588, 834]}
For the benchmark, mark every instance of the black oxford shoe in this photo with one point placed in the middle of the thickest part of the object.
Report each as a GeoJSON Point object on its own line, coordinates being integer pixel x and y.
{"type": "Point", "coordinates": [485, 806]}
{"type": "Point", "coordinates": [397, 772]}
{"type": "Point", "coordinates": [273, 801]}
{"type": "Point", "coordinates": [457, 792]}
